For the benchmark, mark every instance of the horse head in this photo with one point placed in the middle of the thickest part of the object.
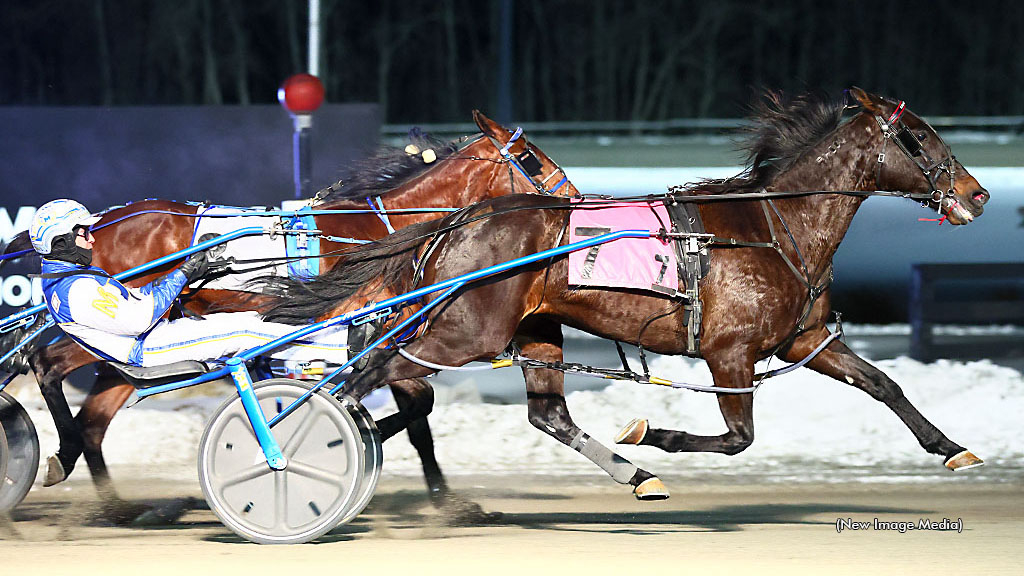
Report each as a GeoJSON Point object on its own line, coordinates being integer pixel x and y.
{"type": "Point", "coordinates": [529, 161]}
{"type": "Point", "coordinates": [913, 158]}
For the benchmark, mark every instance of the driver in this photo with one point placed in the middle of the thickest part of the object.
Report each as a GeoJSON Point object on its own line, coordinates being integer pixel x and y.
{"type": "Point", "coordinates": [125, 325]}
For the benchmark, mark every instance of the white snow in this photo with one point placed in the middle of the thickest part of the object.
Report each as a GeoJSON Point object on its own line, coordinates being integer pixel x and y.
{"type": "Point", "coordinates": [808, 428]}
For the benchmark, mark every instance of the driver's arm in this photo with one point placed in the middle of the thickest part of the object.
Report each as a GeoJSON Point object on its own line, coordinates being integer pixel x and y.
{"type": "Point", "coordinates": [116, 309]}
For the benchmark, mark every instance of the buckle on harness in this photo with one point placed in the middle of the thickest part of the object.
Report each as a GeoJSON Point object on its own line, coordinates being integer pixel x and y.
{"type": "Point", "coordinates": [371, 317]}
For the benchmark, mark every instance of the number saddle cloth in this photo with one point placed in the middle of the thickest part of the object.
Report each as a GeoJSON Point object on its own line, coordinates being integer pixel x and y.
{"type": "Point", "coordinates": [670, 267]}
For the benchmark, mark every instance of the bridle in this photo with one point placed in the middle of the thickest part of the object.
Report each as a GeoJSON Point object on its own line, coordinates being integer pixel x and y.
{"type": "Point", "coordinates": [894, 129]}
{"type": "Point", "coordinates": [528, 165]}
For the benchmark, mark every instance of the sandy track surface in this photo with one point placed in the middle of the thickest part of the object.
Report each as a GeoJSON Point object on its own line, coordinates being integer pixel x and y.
{"type": "Point", "coordinates": [583, 523]}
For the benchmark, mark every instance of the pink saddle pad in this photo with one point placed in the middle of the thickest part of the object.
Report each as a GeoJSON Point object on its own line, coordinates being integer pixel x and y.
{"type": "Point", "coordinates": [639, 263]}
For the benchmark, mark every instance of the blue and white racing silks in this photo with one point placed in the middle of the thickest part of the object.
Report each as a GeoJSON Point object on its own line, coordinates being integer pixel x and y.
{"type": "Point", "coordinates": [124, 324]}
{"type": "Point", "coordinates": [106, 317]}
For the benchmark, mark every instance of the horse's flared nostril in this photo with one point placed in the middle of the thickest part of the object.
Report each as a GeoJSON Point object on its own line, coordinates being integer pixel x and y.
{"type": "Point", "coordinates": [981, 197]}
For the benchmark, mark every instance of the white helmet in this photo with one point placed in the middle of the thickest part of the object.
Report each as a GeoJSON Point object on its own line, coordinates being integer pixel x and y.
{"type": "Point", "coordinates": [57, 218]}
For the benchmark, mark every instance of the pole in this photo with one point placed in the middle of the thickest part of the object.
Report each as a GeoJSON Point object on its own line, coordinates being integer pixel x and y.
{"type": "Point", "coordinates": [314, 38]}
{"type": "Point", "coordinates": [301, 158]}
{"type": "Point", "coordinates": [505, 29]}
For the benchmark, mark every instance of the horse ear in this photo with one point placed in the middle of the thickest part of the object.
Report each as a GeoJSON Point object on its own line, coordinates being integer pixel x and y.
{"type": "Point", "coordinates": [869, 102]}
{"type": "Point", "coordinates": [486, 125]}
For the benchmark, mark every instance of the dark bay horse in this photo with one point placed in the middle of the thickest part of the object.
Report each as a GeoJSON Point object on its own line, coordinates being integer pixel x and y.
{"type": "Point", "coordinates": [757, 301]}
{"type": "Point", "coordinates": [459, 176]}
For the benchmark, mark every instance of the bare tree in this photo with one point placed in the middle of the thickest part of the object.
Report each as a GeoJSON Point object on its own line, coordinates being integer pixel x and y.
{"type": "Point", "coordinates": [238, 35]}
{"type": "Point", "coordinates": [103, 55]}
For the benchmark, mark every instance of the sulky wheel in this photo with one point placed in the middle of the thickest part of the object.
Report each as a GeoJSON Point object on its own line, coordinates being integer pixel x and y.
{"type": "Point", "coordinates": [374, 456]}
{"type": "Point", "coordinates": [323, 445]}
{"type": "Point", "coordinates": [4, 456]}
{"type": "Point", "coordinates": [19, 453]}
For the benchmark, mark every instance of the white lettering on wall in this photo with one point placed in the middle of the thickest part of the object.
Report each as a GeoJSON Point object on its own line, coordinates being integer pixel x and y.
{"type": "Point", "coordinates": [19, 290]}
{"type": "Point", "coordinates": [8, 227]}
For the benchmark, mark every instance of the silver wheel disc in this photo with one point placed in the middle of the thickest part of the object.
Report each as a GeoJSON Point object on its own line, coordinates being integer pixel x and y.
{"type": "Point", "coordinates": [323, 445]}
{"type": "Point", "coordinates": [374, 457]}
{"type": "Point", "coordinates": [4, 457]}
{"type": "Point", "coordinates": [19, 452]}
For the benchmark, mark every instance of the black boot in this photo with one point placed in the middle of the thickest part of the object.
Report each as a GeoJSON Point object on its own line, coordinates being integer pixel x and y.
{"type": "Point", "coordinates": [359, 337]}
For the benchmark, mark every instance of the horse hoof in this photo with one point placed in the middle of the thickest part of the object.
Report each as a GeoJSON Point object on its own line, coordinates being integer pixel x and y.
{"type": "Point", "coordinates": [963, 461]}
{"type": "Point", "coordinates": [632, 433]}
{"type": "Point", "coordinates": [54, 471]}
{"type": "Point", "coordinates": [459, 512]}
{"type": "Point", "coordinates": [165, 514]}
{"type": "Point", "coordinates": [651, 489]}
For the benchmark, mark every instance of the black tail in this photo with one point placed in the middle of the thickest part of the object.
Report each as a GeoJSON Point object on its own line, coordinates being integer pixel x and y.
{"type": "Point", "coordinates": [387, 260]}
{"type": "Point", "coordinates": [19, 243]}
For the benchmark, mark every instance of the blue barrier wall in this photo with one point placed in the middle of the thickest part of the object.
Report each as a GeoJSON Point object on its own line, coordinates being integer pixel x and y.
{"type": "Point", "coordinates": [107, 156]}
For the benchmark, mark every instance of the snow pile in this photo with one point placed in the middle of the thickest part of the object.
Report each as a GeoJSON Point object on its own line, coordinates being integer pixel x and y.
{"type": "Point", "coordinates": [807, 427]}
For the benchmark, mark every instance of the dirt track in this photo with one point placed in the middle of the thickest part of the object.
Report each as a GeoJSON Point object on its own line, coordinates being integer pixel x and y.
{"type": "Point", "coordinates": [585, 523]}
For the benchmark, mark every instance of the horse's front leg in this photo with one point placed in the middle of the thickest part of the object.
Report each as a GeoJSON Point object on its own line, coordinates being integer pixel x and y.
{"type": "Point", "coordinates": [841, 363]}
{"type": "Point", "coordinates": [548, 412]}
{"type": "Point", "coordinates": [734, 369]}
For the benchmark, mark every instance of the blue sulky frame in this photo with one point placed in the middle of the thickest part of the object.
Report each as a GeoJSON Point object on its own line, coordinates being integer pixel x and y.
{"type": "Point", "coordinates": [235, 366]}
{"type": "Point", "coordinates": [28, 316]}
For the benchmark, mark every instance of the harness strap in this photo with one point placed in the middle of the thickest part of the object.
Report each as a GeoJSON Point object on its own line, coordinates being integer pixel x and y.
{"type": "Point", "coordinates": [803, 278]}
{"type": "Point", "coordinates": [381, 213]}
{"type": "Point", "coordinates": [515, 136]}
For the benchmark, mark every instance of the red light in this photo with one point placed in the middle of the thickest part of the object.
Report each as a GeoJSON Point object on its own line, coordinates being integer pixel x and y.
{"type": "Point", "coordinates": [301, 94]}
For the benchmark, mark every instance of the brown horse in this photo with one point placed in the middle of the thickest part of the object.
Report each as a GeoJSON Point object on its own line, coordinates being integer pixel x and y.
{"type": "Point", "coordinates": [758, 301]}
{"type": "Point", "coordinates": [153, 228]}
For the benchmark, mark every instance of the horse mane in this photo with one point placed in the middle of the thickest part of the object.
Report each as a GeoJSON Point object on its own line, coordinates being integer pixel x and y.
{"type": "Point", "coordinates": [384, 265]}
{"type": "Point", "coordinates": [389, 167]}
{"type": "Point", "coordinates": [780, 131]}
{"type": "Point", "coordinates": [19, 243]}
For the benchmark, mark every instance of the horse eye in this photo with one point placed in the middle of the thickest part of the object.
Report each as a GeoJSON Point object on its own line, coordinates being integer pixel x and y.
{"type": "Point", "coordinates": [922, 136]}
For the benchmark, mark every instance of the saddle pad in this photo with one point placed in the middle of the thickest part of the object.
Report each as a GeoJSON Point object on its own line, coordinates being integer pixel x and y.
{"type": "Point", "coordinates": [303, 247]}
{"type": "Point", "coordinates": [244, 248]}
{"type": "Point", "coordinates": [638, 263]}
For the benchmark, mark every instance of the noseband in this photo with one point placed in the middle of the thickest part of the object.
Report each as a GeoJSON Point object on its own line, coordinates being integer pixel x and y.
{"type": "Point", "coordinates": [894, 129]}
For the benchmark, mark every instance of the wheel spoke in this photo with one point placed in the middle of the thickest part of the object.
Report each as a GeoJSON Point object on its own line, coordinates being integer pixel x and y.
{"type": "Point", "coordinates": [280, 501]}
{"type": "Point", "coordinates": [315, 473]}
{"type": "Point", "coordinates": [293, 443]}
{"type": "Point", "coordinates": [246, 474]}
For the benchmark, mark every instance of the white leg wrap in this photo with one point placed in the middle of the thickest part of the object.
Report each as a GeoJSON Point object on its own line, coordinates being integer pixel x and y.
{"type": "Point", "coordinates": [620, 469]}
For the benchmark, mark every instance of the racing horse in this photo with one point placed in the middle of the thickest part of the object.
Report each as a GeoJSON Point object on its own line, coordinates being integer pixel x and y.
{"type": "Point", "coordinates": [430, 174]}
{"type": "Point", "coordinates": [767, 294]}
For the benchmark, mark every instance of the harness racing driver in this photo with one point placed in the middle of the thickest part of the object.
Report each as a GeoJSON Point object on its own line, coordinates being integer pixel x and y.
{"type": "Point", "coordinates": [125, 325]}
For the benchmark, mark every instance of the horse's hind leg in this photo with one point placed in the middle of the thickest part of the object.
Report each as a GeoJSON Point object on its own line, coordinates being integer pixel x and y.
{"type": "Point", "coordinates": [841, 363]}
{"type": "Point", "coordinates": [734, 370]}
{"type": "Point", "coordinates": [105, 398]}
{"type": "Point", "coordinates": [548, 412]}
{"type": "Point", "coordinates": [51, 364]}
{"type": "Point", "coordinates": [415, 399]}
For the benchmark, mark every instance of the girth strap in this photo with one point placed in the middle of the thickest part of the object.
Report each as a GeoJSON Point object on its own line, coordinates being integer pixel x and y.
{"type": "Point", "coordinates": [694, 263]}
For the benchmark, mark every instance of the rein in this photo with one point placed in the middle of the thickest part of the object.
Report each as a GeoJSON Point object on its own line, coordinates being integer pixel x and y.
{"type": "Point", "coordinates": [269, 213]}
